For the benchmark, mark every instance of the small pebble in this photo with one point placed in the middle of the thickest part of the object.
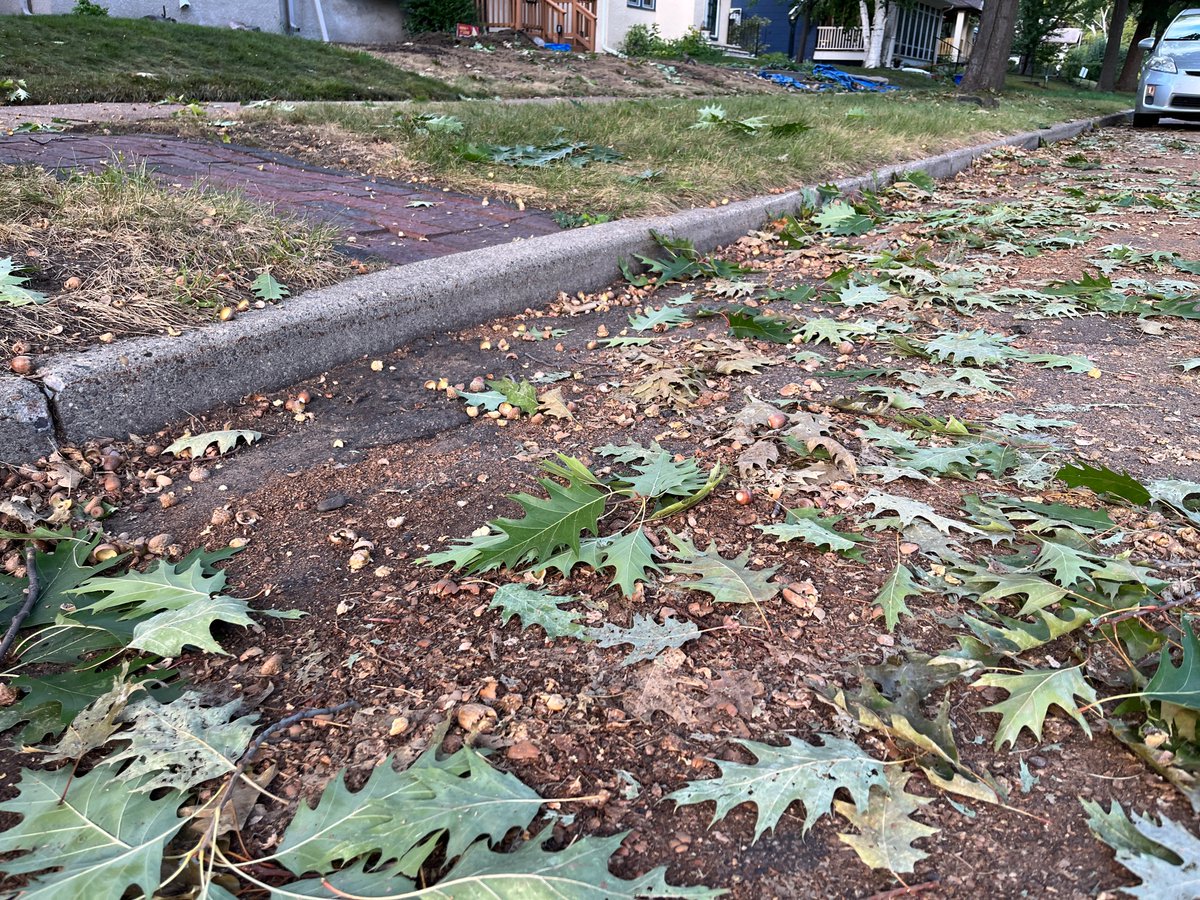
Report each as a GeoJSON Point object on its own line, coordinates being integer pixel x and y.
{"type": "Point", "coordinates": [332, 502]}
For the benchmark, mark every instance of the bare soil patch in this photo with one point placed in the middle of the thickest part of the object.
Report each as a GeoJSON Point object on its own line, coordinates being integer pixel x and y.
{"type": "Point", "coordinates": [512, 66]}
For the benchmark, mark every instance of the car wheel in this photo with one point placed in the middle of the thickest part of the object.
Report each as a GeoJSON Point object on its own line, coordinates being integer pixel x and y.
{"type": "Point", "coordinates": [1144, 120]}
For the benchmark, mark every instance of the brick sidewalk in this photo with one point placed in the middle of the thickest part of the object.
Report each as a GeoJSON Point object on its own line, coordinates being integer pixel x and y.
{"type": "Point", "coordinates": [374, 213]}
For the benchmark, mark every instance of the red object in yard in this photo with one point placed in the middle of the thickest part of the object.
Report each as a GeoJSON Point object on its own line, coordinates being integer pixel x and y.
{"type": "Point", "coordinates": [466, 31]}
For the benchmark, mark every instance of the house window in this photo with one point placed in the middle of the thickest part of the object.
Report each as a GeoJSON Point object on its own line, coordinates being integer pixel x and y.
{"type": "Point", "coordinates": [641, 4]}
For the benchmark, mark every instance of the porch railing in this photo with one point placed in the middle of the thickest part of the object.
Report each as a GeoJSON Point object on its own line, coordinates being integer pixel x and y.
{"type": "Point", "coordinates": [555, 21]}
{"type": "Point", "coordinates": [833, 37]}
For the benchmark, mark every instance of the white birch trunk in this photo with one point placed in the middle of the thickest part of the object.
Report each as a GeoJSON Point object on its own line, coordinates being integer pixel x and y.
{"type": "Point", "coordinates": [874, 25]}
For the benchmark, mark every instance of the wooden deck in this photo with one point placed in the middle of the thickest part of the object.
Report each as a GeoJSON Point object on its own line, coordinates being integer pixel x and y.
{"type": "Point", "coordinates": [554, 21]}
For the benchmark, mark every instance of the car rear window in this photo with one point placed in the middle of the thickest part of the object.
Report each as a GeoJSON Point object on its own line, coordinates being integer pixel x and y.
{"type": "Point", "coordinates": [1184, 29]}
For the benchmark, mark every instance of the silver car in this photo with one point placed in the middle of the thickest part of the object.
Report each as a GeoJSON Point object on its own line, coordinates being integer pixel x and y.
{"type": "Point", "coordinates": [1170, 84]}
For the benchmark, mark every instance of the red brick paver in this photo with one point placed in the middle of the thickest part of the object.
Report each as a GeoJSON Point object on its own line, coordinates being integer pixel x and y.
{"type": "Point", "coordinates": [397, 221]}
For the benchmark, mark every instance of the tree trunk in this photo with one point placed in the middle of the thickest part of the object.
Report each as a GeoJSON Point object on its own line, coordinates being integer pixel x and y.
{"type": "Point", "coordinates": [889, 36]}
{"type": "Point", "coordinates": [874, 28]}
{"type": "Point", "coordinates": [805, 30]}
{"type": "Point", "coordinates": [989, 58]}
{"type": "Point", "coordinates": [1130, 72]}
{"type": "Point", "coordinates": [1112, 50]}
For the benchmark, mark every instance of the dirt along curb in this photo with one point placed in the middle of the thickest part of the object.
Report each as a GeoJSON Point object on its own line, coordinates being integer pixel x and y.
{"type": "Point", "coordinates": [141, 384]}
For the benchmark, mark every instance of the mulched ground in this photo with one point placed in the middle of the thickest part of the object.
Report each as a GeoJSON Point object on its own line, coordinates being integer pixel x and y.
{"type": "Point", "coordinates": [510, 65]}
{"type": "Point", "coordinates": [413, 643]}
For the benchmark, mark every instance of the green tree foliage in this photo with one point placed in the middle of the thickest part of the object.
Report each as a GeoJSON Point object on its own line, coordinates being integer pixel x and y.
{"type": "Point", "coordinates": [437, 15]}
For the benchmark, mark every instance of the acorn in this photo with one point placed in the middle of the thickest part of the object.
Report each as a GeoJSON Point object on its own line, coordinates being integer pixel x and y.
{"type": "Point", "coordinates": [22, 365]}
{"type": "Point", "coordinates": [743, 497]}
{"type": "Point", "coordinates": [73, 283]}
{"type": "Point", "coordinates": [160, 543]}
{"type": "Point", "coordinates": [105, 552]}
{"type": "Point", "coordinates": [475, 718]}
{"type": "Point", "coordinates": [777, 419]}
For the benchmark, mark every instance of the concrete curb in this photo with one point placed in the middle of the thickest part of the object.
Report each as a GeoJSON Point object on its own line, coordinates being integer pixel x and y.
{"type": "Point", "coordinates": [26, 426]}
{"type": "Point", "coordinates": [139, 385]}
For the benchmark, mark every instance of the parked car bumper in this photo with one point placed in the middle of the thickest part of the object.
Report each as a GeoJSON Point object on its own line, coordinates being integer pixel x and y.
{"type": "Point", "coordinates": [1164, 94]}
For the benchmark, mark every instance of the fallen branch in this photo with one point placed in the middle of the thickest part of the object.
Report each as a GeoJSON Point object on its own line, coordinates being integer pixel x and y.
{"type": "Point", "coordinates": [31, 598]}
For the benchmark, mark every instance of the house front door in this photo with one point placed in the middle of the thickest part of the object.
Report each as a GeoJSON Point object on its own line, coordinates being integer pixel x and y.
{"type": "Point", "coordinates": [710, 18]}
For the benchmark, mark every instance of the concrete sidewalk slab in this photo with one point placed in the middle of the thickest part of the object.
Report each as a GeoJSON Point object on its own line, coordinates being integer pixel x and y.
{"type": "Point", "coordinates": [139, 385]}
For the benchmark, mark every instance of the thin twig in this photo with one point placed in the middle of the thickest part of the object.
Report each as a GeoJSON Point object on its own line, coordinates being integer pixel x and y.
{"type": "Point", "coordinates": [31, 598]}
{"type": "Point", "coordinates": [1136, 612]}
{"type": "Point", "coordinates": [906, 890]}
{"type": "Point", "coordinates": [248, 757]}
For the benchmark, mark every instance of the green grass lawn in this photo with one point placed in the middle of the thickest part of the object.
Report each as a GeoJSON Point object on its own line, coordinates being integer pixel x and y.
{"type": "Point", "coordinates": [72, 59]}
{"type": "Point", "coordinates": [850, 133]}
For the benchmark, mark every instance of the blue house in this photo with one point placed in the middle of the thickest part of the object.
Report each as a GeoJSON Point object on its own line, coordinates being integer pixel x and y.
{"type": "Point", "coordinates": [779, 36]}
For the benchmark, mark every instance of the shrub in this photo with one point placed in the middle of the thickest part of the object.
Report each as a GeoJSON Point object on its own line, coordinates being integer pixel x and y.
{"type": "Point", "coordinates": [642, 40]}
{"type": "Point", "coordinates": [88, 8]}
{"type": "Point", "coordinates": [437, 15]}
{"type": "Point", "coordinates": [1089, 53]}
{"type": "Point", "coordinates": [692, 45]}
{"type": "Point", "coordinates": [645, 40]}
{"type": "Point", "coordinates": [777, 61]}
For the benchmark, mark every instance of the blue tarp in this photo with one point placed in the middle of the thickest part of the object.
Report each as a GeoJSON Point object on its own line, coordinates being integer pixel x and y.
{"type": "Point", "coordinates": [831, 79]}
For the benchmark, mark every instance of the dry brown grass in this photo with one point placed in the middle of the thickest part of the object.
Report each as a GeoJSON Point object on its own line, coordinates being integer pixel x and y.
{"type": "Point", "coordinates": [120, 255]}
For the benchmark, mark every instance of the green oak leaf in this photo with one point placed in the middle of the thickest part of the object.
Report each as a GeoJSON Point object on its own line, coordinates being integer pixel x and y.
{"type": "Point", "coordinates": [579, 872]}
{"type": "Point", "coordinates": [1068, 564]}
{"type": "Point", "coordinates": [810, 773]}
{"type": "Point", "coordinates": [265, 287]}
{"type": "Point", "coordinates": [100, 842]}
{"type": "Point", "coordinates": [650, 318]}
{"type": "Point", "coordinates": [886, 829]}
{"type": "Point", "coordinates": [1030, 696]}
{"type": "Point", "coordinates": [549, 524]}
{"type": "Point", "coordinates": [401, 815]}
{"type": "Point", "coordinates": [810, 526]}
{"type": "Point", "coordinates": [646, 636]}
{"type": "Point", "coordinates": [1178, 684]}
{"type": "Point", "coordinates": [726, 580]}
{"type": "Point", "coordinates": [536, 607]}
{"type": "Point", "coordinates": [630, 556]}
{"type": "Point", "coordinates": [1163, 854]}
{"type": "Point", "coordinates": [1104, 482]}
{"type": "Point", "coordinates": [896, 590]}
{"type": "Point", "coordinates": [182, 743]}
{"type": "Point", "coordinates": [175, 606]}
{"type": "Point", "coordinates": [745, 322]}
